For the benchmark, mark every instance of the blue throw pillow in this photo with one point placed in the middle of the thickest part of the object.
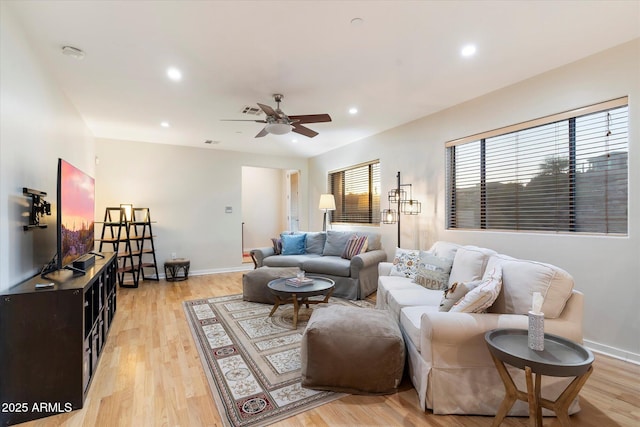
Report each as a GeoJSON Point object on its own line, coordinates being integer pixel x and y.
{"type": "Point", "coordinates": [293, 244]}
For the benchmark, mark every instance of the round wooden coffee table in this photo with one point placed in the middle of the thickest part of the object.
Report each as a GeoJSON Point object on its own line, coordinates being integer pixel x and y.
{"type": "Point", "coordinates": [560, 358]}
{"type": "Point", "coordinates": [287, 294]}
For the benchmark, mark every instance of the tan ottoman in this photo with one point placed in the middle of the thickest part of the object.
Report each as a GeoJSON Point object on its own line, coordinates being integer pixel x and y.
{"type": "Point", "coordinates": [352, 350]}
{"type": "Point", "coordinates": [254, 283]}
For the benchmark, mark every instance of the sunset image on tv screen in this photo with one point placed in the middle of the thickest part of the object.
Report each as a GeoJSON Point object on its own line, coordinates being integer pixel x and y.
{"type": "Point", "coordinates": [77, 204]}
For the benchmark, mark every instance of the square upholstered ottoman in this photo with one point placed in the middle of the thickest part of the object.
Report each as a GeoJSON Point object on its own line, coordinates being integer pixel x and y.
{"type": "Point", "coordinates": [352, 350]}
{"type": "Point", "coordinates": [254, 283]}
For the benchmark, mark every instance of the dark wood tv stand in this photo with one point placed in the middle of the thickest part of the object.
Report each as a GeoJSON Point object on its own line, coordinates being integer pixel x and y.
{"type": "Point", "coordinates": [51, 340]}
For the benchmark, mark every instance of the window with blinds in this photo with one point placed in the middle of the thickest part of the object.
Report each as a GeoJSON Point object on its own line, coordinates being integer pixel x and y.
{"type": "Point", "coordinates": [562, 173]}
{"type": "Point", "coordinates": [357, 194]}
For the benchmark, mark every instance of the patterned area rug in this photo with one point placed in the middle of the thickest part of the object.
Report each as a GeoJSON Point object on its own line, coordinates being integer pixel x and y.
{"type": "Point", "coordinates": [252, 361]}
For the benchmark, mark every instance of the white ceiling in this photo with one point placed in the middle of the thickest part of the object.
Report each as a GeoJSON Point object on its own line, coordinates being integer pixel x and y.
{"type": "Point", "coordinates": [401, 63]}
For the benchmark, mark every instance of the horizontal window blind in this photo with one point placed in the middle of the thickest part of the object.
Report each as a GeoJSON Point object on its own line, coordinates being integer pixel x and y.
{"type": "Point", "coordinates": [569, 175]}
{"type": "Point", "coordinates": [357, 194]}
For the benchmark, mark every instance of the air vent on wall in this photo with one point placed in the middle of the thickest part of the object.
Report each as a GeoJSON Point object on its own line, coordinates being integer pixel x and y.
{"type": "Point", "coordinates": [251, 110]}
{"type": "Point", "coordinates": [73, 52]}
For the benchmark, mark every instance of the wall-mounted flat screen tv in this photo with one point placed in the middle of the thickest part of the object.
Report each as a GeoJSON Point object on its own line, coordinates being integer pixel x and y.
{"type": "Point", "coordinates": [76, 213]}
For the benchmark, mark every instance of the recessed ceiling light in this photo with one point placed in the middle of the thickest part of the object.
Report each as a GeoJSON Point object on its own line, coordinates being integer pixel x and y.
{"type": "Point", "coordinates": [357, 21]}
{"type": "Point", "coordinates": [468, 50]}
{"type": "Point", "coordinates": [353, 110]}
{"type": "Point", "coordinates": [174, 74]}
{"type": "Point", "coordinates": [164, 124]}
{"type": "Point", "coordinates": [294, 141]}
{"type": "Point", "coordinates": [73, 52]}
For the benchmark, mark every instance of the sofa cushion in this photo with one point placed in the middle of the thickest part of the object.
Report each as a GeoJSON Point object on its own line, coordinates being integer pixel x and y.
{"type": "Point", "coordinates": [433, 272]}
{"type": "Point", "coordinates": [455, 293]}
{"type": "Point", "coordinates": [336, 242]}
{"type": "Point", "coordinates": [444, 249]}
{"type": "Point", "coordinates": [405, 263]}
{"type": "Point", "coordinates": [387, 283]}
{"type": "Point", "coordinates": [408, 297]}
{"type": "Point", "coordinates": [333, 265]}
{"type": "Point", "coordinates": [355, 246]}
{"type": "Point", "coordinates": [482, 296]}
{"type": "Point", "coordinates": [314, 243]}
{"type": "Point", "coordinates": [521, 278]}
{"type": "Point", "coordinates": [293, 244]}
{"type": "Point", "coordinates": [469, 264]}
{"type": "Point", "coordinates": [374, 240]}
{"type": "Point", "coordinates": [288, 261]}
{"type": "Point", "coordinates": [410, 322]}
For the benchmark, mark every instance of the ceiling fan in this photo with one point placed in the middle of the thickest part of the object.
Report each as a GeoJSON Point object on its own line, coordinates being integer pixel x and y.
{"type": "Point", "coordinates": [278, 123]}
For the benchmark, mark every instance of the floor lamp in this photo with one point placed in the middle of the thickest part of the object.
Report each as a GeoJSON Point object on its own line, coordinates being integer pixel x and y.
{"type": "Point", "coordinates": [327, 203]}
{"type": "Point", "coordinates": [405, 205]}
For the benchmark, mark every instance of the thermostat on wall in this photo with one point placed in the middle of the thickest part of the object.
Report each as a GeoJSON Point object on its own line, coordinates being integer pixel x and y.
{"type": "Point", "coordinates": [228, 209]}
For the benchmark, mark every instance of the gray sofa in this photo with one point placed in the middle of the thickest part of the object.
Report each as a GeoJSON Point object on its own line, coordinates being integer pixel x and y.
{"type": "Point", "coordinates": [355, 278]}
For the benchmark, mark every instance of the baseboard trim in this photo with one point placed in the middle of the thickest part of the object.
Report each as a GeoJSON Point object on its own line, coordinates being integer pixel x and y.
{"type": "Point", "coordinates": [244, 267]}
{"type": "Point", "coordinates": [616, 353]}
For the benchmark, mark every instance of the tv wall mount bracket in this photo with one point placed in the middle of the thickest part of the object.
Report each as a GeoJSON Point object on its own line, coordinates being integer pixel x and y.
{"type": "Point", "coordinates": [39, 208]}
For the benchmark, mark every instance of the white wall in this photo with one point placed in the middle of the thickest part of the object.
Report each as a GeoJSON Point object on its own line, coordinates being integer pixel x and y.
{"type": "Point", "coordinates": [263, 205]}
{"type": "Point", "coordinates": [606, 269]}
{"type": "Point", "coordinates": [187, 190]}
{"type": "Point", "coordinates": [37, 125]}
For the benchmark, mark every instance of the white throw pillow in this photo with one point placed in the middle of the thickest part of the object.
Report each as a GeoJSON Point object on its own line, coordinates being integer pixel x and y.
{"type": "Point", "coordinates": [482, 296]}
{"type": "Point", "coordinates": [405, 263]}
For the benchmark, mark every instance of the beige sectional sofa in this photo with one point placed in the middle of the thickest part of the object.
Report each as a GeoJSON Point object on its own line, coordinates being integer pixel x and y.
{"type": "Point", "coordinates": [449, 363]}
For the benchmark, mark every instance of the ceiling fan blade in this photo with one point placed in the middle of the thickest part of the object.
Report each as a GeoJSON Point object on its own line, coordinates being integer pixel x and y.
{"type": "Point", "coordinates": [262, 133]}
{"type": "Point", "coordinates": [268, 110]}
{"type": "Point", "coordinates": [303, 130]}
{"type": "Point", "coordinates": [242, 120]}
{"type": "Point", "coordinates": [311, 118]}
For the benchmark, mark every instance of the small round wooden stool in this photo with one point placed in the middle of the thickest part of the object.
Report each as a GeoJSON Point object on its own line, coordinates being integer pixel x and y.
{"type": "Point", "coordinates": [173, 267]}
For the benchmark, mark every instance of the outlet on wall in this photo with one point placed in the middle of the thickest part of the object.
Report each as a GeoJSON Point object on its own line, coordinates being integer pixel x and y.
{"type": "Point", "coordinates": [173, 255]}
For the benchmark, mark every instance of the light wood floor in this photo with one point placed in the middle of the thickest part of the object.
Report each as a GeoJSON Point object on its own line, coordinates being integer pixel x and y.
{"type": "Point", "coordinates": [150, 375]}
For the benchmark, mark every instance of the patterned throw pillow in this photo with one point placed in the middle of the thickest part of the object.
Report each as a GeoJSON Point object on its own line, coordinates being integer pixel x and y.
{"type": "Point", "coordinates": [277, 245]}
{"type": "Point", "coordinates": [455, 293]}
{"type": "Point", "coordinates": [355, 245]}
{"type": "Point", "coordinates": [433, 272]}
{"type": "Point", "coordinates": [482, 296]}
{"type": "Point", "coordinates": [405, 263]}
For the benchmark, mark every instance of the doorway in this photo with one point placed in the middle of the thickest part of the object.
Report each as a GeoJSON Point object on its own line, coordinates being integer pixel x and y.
{"type": "Point", "coordinates": [293, 196]}
{"type": "Point", "coordinates": [267, 199]}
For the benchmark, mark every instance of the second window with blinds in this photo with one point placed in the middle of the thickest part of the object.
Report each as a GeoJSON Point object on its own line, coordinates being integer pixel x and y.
{"type": "Point", "coordinates": [357, 193]}
{"type": "Point", "coordinates": [563, 173]}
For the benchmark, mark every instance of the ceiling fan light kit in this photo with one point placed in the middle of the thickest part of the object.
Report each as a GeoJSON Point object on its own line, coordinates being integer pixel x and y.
{"type": "Point", "coordinates": [278, 123]}
{"type": "Point", "coordinates": [278, 128]}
